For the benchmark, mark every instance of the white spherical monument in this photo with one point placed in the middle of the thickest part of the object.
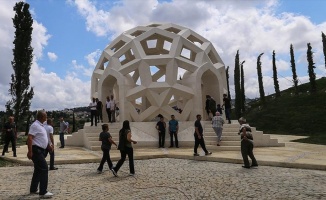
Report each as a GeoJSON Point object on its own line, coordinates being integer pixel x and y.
{"type": "Point", "coordinates": [159, 69]}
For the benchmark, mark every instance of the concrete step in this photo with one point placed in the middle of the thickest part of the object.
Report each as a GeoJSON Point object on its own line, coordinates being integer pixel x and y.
{"type": "Point", "coordinates": [222, 148]}
{"type": "Point", "coordinates": [95, 138]}
{"type": "Point", "coordinates": [223, 138]}
{"type": "Point", "coordinates": [223, 143]}
{"type": "Point", "coordinates": [223, 133]}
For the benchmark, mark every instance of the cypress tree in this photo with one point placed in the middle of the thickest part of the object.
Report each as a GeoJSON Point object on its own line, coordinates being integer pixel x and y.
{"type": "Point", "coordinates": [237, 86]}
{"type": "Point", "coordinates": [311, 66]}
{"type": "Point", "coordinates": [260, 80]}
{"type": "Point", "coordinates": [276, 85]}
{"type": "Point", "coordinates": [243, 96]}
{"type": "Point", "coordinates": [227, 81]}
{"type": "Point", "coordinates": [23, 55]}
{"type": "Point", "coordinates": [294, 72]}
{"type": "Point", "coordinates": [324, 45]}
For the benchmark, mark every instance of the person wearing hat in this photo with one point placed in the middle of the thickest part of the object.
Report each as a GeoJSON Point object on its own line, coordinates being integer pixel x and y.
{"type": "Point", "coordinates": [247, 144]}
{"type": "Point", "coordinates": [217, 124]}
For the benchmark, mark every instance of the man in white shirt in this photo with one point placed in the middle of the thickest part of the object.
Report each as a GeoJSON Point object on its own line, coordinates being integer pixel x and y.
{"type": "Point", "coordinates": [49, 130]}
{"type": "Point", "coordinates": [37, 143]}
{"type": "Point", "coordinates": [92, 106]}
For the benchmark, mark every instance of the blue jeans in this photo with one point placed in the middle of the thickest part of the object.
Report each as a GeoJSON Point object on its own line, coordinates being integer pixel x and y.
{"type": "Point", "coordinates": [62, 139]}
{"type": "Point", "coordinates": [40, 175]}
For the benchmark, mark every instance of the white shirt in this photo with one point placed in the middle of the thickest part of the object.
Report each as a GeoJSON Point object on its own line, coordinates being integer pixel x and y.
{"type": "Point", "coordinates": [93, 105]}
{"type": "Point", "coordinates": [49, 131]}
{"type": "Point", "coordinates": [112, 104]}
{"type": "Point", "coordinates": [40, 136]}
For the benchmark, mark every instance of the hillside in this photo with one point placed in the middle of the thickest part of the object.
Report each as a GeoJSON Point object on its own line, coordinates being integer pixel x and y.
{"type": "Point", "coordinates": [303, 114]}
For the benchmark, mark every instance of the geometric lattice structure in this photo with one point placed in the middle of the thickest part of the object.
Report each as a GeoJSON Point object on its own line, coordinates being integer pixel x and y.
{"type": "Point", "coordinates": [153, 69]}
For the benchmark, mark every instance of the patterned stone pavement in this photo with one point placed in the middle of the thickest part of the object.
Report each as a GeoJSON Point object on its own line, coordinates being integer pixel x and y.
{"type": "Point", "coordinates": [167, 178]}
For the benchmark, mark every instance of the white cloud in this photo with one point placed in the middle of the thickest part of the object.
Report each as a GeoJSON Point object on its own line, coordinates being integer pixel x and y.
{"type": "Point", "coordinates": [52, 56]}
{"type": "Point", "coordinates": [50, 91]}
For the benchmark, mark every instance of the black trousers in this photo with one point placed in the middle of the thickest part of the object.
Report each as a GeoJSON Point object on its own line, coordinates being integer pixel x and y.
{"type": "Point", "coordinates": [93, 117]}
{"type": "Point", "coordinates": [130, 152]}
{"type": "Point", "coordinates": [105, 157]}
{"type": "Point", "coordinates": [99, 116]}
{"type": "Point", "coordinates": [9, 138]}
{"type": "Point", "coordinates": [161, 138]}
{"type": "Point", "coordinates": [109, 114]}
{"type": "Point", "coordinates": [51, 158]}
{"type": "Point", "coordinates": [200, 142]}
{"type": "Point", "coordinates": [247, 150]}
{"type": "Point", "coordinates": [174, 133]}
{"type": "Point", "coordinates": [40, 174]}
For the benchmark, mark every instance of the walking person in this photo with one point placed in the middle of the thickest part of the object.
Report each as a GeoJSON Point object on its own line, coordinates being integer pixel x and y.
{"type": "Point", "coordinates": [92, 106]}
{"type": "Point", "coordinates": [10, 134]}
{"type": "Point", "coordinates": [48, 125]}
{"type": "Point", "coordinates": [37, 143]}
{"type": "Point", "coordinates": [217, 124]}
{"type": "Point", "coordinates": [107, 142]}
{"type": "Point", "coordinates": [62, 130]}
{"type": "Point", "coordinates": [247, 144]}
{"type": "Point", "coordinates": [125, 148]}
{"type": "Point", "coordinates": [173, 130]}
{"type": "Point", "coordinates": [161, 127]}
{"type": "Point", "coordinates": [227, 107]}
{"type": "Point", "coordinates": [199, 137]}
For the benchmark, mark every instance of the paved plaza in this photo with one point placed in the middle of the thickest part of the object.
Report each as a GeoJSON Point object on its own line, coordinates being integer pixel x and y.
{"type": "Point", "coordinates": [168, 178]}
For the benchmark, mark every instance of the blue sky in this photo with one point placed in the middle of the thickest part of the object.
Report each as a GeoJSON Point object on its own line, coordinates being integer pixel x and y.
{"type": "Point", "coordinates": [69, 36]}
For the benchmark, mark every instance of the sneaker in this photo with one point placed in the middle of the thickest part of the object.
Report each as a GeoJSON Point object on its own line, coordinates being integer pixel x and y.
{"type": "Point", "coordinates": [247, 167]}
{"type": "Point", "coordinates": [196, 154]}
{"type": "Point", "coordinates": [131, 174]}
{"type": "Point", "coordinates": [114, 172]}
{"type": "Point", "coordinates": [99, 171]}
{"type": "Point", "coordinates": [53, 168]}
{"type": "Point", "coordinates": [61, 147]}
{"type": "Point", "coordinates": [15, 155]}
{"type": "Point", "coordinates": [36, 192]}
{"type": "Point", "coordinates": [208, 153]}
{"type": "Point", "coordinates": [47, 195]}
{"type": "Point", "coordinates": [254, 166]}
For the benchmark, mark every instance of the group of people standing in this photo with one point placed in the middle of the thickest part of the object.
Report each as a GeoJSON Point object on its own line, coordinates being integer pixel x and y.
{"type": "Point", "coordinates": [96, 107]}
{"type": "Point", "coordinates": [173, 131]}
{"type": "Point", "coordinates": [212, 108]}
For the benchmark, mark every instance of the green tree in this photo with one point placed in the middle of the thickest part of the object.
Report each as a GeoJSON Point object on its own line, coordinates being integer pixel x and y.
{"type": "Point", "coordinates": [243, 96]}
{"type": "Point", "coordinates": [294, 71]}
{"type": "Point", "coordinates": [311, 66]}
{"type": "Point", "coordinates": [260, 80]}
{"type": "Point", "coordinates": [237, 104]}
{"type": "Point", "coordinates": [324, 45]}
{"type": "Point", "coordinates": [276, 85]}
{"type": "Point", "coordinates": [227, 81]}
{"type": "Point", "coordinates": [23, 55]}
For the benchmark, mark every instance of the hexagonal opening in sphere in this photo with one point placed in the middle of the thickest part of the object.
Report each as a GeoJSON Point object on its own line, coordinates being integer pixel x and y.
{"type": "Point", "coordinates": [157, 69]}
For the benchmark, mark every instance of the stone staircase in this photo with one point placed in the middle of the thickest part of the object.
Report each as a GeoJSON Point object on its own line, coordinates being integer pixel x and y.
{"type": "Point", "coordinates": [89, 137]}
{"type": "Point", "coordinates": [230, 138]}
{"type": "Point", "coordinates": [91, 134]}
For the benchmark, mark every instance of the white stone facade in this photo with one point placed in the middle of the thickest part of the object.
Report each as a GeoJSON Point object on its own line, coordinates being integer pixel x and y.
{"type": "Point", "coordinates": [152, 69]}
